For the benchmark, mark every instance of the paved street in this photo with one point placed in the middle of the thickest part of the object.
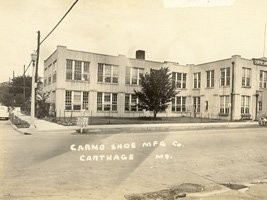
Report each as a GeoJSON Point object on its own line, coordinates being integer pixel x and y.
{"type": "Point", "coordinates": [109, 166]}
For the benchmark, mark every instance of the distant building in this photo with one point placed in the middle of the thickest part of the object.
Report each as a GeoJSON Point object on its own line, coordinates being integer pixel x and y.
{"type": "Point", "coordinates": [91, 84]}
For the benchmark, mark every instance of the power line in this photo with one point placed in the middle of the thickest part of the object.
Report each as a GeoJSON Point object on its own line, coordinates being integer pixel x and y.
{"type": "Point", "coordinates": [59, 22]}
{"type": "Point", "coordinates": [52, 31]}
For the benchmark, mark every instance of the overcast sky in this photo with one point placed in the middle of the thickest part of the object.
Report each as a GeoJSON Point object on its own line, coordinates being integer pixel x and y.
{"type": "Point", "coordinates": [173, 30]}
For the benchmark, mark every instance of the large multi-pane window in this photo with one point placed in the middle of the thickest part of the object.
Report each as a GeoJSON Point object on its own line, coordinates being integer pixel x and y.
{"type": "Point", "coordinates": [210, 78]}
{"type": "Point", "coordinates": [106, 101]}
{"type": "Point", "coordinates": [246, 77]}
{"type": "Point", "coordinates": [196, 104]}
{"type": "Point", "coordinates": [77, 70]}
{"type": "Point", "coordinates": [260, 105]}
{"type": "Point", "coordinates": [85, 100]}
{"type": "Point", "coordinates": [85, 74]}
{"type": "Point", "coordinates": [76, 100]}
{"type": "Point", "coordinates": [245, 103]}
{"type": "Point", "coordinates": [69, 70]}
{"type": "Point", "coordinates": [76, 105]}
{"type": "Point", "coordinates": [179, 104]}
{"type": "Point", "coordinates": [225, 76]}
{"type": "Point", "coordinates": [54, 71]}
{"type": "Point", "coordinates": [224, 104]}
{"type": "Point", "coordinates": [49, 79]}
{"type": "Point", "coordinates": [68, 100]}
{"type": "Point", "coordinates": [133, 75]}
{"type": "Point", "coordinates": [107, 73]}
{"type": "Point", "coordinates": [197, 80]}
{"type": "Point", "coordinates": [179, 79]}
{"type": "Point", "coordinates": [263, 79]}
{"type": "Point", "coordinates": [131, 102]}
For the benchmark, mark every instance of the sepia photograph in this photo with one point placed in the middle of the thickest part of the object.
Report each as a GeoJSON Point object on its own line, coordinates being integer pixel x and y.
{"type": "Point", "coordinates": [133, 100]}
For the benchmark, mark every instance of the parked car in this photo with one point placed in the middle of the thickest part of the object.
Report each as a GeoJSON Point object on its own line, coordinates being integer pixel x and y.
{"type": "Point", "coordinates": [263, 121]}
{"type": "Point", "coordinates": [4, 114]}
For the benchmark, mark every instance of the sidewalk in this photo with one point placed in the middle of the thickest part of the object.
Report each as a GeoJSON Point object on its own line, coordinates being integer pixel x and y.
{"type": "Point", "coordinates": [46, 126]}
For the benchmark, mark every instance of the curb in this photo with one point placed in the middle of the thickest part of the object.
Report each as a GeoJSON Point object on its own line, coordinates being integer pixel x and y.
{"type": "Point", "coordinates": [18, 130]}
{"type": "Point", "coordinates": [162, 129]}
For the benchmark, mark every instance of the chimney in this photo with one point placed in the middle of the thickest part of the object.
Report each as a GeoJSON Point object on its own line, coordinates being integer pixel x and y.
{"type": "Point", "coordinates": [140, 54]}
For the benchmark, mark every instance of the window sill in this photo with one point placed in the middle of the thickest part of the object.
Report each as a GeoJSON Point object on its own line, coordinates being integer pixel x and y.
{"type": "Point", "coordinates": [196, 89]}
{"type": "Point", "coordinates": [106, 83]}
{"type": "Point", "coordinates": [248, 87]}
{"type": "Point", "coordinates": [134, 85]}
{"type": "Point", "coordinates": [106, 111]}
{"type": "Point", "coordinates": [127, 111]}
{"type": "Point", "coordinates": [223, 114]}
{"type": "Point", "coordinates": [76, 110]}
{"type": "Point", "coordinates": [225, 86]}
{"type": "Point", "coordinates": [79, 81]}
{"type": "Point", "coordinates": [209, 88]}
{"type": "Point", "coordinates": [245, 115]}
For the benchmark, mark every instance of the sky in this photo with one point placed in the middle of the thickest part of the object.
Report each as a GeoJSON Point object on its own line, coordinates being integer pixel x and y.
{"type": "Point", "coordinates": [183, 31]}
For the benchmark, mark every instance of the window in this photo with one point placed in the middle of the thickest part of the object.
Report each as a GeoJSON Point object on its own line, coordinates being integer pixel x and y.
{"type": "Point", "coordinates": [76, 100]}
{"type": "Point", "coordinates": [133, 75]}
{"type": "Point", "coordinates": [225, 76]}
{"type": "Point", "coordinates": [246, 77]}
{"type": "Point", "coordinates": [45, 82]}
{"type": "Point", "coordinates": [54, 71]}
{"type": "Point", "coordinates": [106, 101]}
{"type": "Point", "coordinates": [210, 78]}
{"type": "Point", "coordinates": [77, 70]}
{"type": "Point", "coordinates": [85, 74]}
{"type": "Point", "coordinates": [49, 80]}
{"type": "Point", "coordinates": [85, 100]}
{"type": "Point", "coordinates": [131, 102]}
{"type": "Point", "coordinates": [206, 105]}
{"type": "Point", "coordinates": [260, 105]}
{"type": "Point", "coordinates": [54, 77]}
{"type": "Point", "coordinates": [263, 79]}
{"type": "Point", "coordinates": [179, 104]}
{"type": "Point", "coordinates": [68, 99]}
{"type": "Point", "coordinates": [179, 79]}
{"type": "Point", "coordinates": [245, 103]}
{"type": "Point", "coordinates": [69, 70]}
{"type": "Point", "coordinates": [196, 104]}
{"type": "Point", "coordinates": [197, 80]}
{"type": "Point", "coordinates": [107, 73]}
{"type": "Point", "coordinates": [224, 104]}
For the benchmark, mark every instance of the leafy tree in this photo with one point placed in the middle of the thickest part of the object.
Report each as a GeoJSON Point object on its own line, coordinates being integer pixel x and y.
{"type": "Point", "coordinates": [157, 90]}
{"type": "Point", "coordinates": [12, 94]}
{"type": "Point", "coordinates": [17, 86]}
{"type": "Point", "coordinates": [42, 107]}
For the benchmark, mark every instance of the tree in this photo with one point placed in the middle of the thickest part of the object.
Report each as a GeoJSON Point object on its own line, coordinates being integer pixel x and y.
{"type": "Point", "coordinates": [157, 90]}
{"type": "Point", "coordinates": [42, 107]}
{"type": "Point", "coordinates": [12, 94]}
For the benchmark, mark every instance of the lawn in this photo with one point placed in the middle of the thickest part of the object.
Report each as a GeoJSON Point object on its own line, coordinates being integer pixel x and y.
{"type": "Point", "coordinates": [139, 120]}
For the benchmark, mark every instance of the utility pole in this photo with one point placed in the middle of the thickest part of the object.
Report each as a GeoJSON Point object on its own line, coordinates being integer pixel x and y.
{"type": "Point", "coordinates": [264, 39]}
{"type": "Point", "coordinates": [24, 83]}
{"type": "Point", "coordinates": [37, 53]}
{"type": "Point", "coordinates": [13, 74]}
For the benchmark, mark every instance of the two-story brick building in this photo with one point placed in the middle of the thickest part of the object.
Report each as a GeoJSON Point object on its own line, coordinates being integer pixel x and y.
{"type": "Point", "coordinates": [103, 85]}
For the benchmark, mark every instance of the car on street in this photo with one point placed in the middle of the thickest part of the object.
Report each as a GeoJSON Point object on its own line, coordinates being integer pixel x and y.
{"type": "Point", "coordinates": [263, 120]}
{"type": "Point", "coordinates": [4, 114]}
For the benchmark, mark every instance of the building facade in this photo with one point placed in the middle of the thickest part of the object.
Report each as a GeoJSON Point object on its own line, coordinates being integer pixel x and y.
{"type": "Point", "coordinates": [91, 84]}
